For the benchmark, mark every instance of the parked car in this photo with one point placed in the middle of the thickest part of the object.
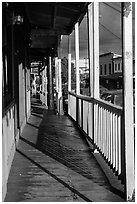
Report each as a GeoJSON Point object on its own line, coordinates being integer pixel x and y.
{"type": "Point", "coordinates": [102, 90]}
{"type": "Point", "coordinates": [113, 96]}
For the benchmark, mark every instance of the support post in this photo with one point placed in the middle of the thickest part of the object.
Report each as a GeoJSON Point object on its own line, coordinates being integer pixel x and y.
{"type": "Point", "coordinates": [69, 70]}
{"type": "Point", "coordinates": [56, 79]}
{"type": "Point", "coordinates": [60, 89]}
{"type": "Point", "coordinates": [93, 28]}
{"type": "Point", "coordinates": [56, 73]}
{"type": "Point", "coordinates": [127, 57]}
{"type": "Point", "coordinates": [77, 57]}
{"type": "Point", "coordinates": [90, 40]}
{"type": "Point", "coordinates": [96, 48]}
{"type": "Point", "coordinates": [50, 83]}
{"type": "Point", "coordinates": [69, 63]}
{"type": "Point", "coordinates": [60, 98]}
{"type": "Point", "coordinates": [45, 86]}
{"type": "Point", "coordinates": [93, 35]}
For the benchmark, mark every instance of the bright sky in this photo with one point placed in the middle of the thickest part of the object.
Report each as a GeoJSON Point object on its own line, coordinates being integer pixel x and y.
{"type": "Point", "coordinates": [109, 31]}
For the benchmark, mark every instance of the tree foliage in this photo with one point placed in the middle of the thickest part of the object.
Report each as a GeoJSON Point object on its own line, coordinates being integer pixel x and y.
{"type": "Point", "coordinates": [64, 68]}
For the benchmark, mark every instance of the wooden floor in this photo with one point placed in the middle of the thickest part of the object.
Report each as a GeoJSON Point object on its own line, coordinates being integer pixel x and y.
{"type": "Point", "coordinates": [53, 163]}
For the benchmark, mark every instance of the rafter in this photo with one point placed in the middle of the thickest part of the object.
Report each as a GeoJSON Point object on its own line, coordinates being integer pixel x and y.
{"type": "Point", "coordinates": [54, 16]}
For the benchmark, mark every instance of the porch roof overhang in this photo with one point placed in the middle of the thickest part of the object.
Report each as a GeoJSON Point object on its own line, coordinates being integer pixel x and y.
{"type": "Point", "coordinates": [50, 20]}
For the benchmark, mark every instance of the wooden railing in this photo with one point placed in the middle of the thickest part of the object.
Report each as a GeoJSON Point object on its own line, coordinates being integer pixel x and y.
{"type": "Point", "coordinates": [102, 122]}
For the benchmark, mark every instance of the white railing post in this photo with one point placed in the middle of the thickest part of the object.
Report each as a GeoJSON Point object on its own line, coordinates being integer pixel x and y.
{"type": "Point", "coordinates": [93, 28]}
{"type": "Point", "coordinates": [90, 40]}
{"type": "Point", "coordinates": [93, 35]}
{"type": "Point", "coordinates": [56, 79]}
{"type": "Point", "coordinates": [45, 87]}
{"type": "Point", "coordinates": [69, 63]}
{"type": "Point", "coordinates": [127, 55]}
{"type": "Point", "coordinates": [59, 81]}
{"type": "Point", "coordinates": [60, 89]}
{"type": "Point", "coordinates": [77, 57]}
{"type": "Point", "coordinates": [96, 48]}
{"type": "Point", "coordinates": [56, 73]}
{"type": "Point", "coordinates": [69, 71]}
{"type": "Point", "coordinates": [50, 91]}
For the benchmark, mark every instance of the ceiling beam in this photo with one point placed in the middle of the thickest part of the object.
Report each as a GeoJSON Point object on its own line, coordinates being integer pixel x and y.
{"type": "Point", "coordinates": [54, 16]}
{"type": "Point", "coordinates": [68, 7]}
{"type": "Point", "coordinates": [36, 29]}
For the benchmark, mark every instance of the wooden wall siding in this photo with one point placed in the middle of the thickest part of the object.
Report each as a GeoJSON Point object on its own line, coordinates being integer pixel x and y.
{"type": "Point", "coordinates": [8, 145]}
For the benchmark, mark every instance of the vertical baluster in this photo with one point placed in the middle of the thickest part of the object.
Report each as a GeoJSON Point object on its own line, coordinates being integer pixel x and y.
{"type": "Point", "coordinates": [119, 146]}
{"type": "Point", "coordinates": [82, 114]}
{"type": "Point", "coordinates": [101, 141]}
{"type": "Point", "coordinates": [111, 140]}
{"type": "Point", "coordinates": [99, 126]}
{"type": "Point", "coordinates": [90, 121]}
{"type": "Point", "coordinates": [108, 143]}
{"type": "Point", "coordinates": [114, 138]}
{"type": "Point", "coordinates": [103, 129]}
{"type": "Point", "coordinates": [95, 122]}
{"type": "Point", "coordinates": [94, 127]}
{"type": "Point", "coordinates": [106, 137]}
{"type": "Point", "coordinates": [116, 144]}
{"type": "Point", "coordinates": [100, 133]}
{"type": "Point", "coordinates": [105, 132]}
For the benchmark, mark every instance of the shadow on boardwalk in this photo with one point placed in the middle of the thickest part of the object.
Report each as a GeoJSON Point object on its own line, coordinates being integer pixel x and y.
{"type": "Point", "coordinates": [52, 144]}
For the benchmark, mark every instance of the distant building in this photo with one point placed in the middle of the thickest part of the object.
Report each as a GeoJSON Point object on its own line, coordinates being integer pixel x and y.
{"type": "Point", "coordinates": [106, 62]}
{"type": "Point", "coordinates": [117, 62]}
{"type": "Point", "coordinates": [111, 70]}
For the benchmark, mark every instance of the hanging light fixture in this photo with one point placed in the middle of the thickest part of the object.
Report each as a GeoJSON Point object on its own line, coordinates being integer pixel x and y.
{"type": "Point", "coordinates": [18, 20]}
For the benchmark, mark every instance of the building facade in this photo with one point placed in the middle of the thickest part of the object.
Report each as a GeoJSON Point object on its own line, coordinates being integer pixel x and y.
{"type": "Point", "coordinates": [111, 70]}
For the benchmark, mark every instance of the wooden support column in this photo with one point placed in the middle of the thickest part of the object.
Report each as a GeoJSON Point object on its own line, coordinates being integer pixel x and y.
{"type": "Point", "coordinates": [45, 86]}
{"type": "Point", "coordinates": [69, 63]}
{"type": "Point", "coordinates": [60, 89]}
{"type": "Point", "coordinates": [50, 83]}
{"type": "Point", "coordinates": [90, 40]}
{"type": "Point", "coordinates": [56, 73]}
{"type": "Point", "coordinates": [127, 57]}
{"type": "Point", "coordinates": [93, 36]}
{"type": "Point", "coordinates": [56, 78]}
{"type": "Point", "coordinates": [60, 98]}
{"type": "Point", "coordinates": [96, 48]}
{"type": "Point", "coordinates": [77, 57]}
{"type": "Point", "coordinates": [69, 70]}
{"type": "Point", "coordinates": [93, 27]}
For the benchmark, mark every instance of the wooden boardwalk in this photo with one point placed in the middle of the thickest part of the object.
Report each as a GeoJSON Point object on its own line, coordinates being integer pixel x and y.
{"type": "Point", "coordinates": [53, 163]}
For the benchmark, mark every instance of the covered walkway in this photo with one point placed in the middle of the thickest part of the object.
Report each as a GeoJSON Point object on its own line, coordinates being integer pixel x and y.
{"type": "Point", "coordinates": [53, 163]}
{"type": "Point", "coordinates": [52, 160]}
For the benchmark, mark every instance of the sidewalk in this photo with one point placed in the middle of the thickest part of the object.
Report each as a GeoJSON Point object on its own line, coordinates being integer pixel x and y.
{"type": "Point", "coordinates": [54, 164]}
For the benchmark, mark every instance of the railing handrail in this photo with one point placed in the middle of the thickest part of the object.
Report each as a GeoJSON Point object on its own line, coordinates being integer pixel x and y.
{"type": "Point", "coordinates": [104, 104]}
